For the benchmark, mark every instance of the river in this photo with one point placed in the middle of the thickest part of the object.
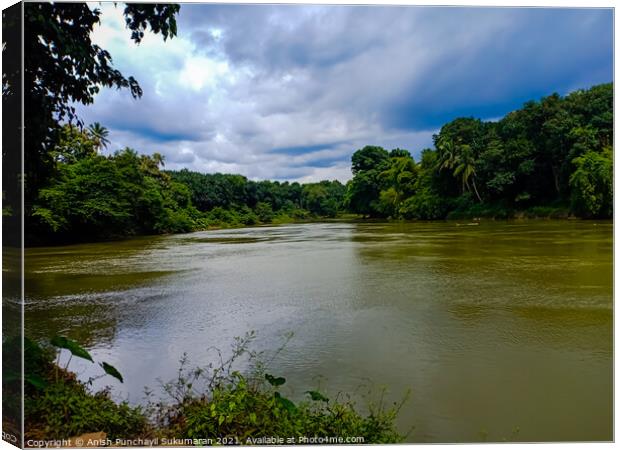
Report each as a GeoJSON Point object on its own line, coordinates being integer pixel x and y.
{"type": "Point", "coordinates": [501, 330]}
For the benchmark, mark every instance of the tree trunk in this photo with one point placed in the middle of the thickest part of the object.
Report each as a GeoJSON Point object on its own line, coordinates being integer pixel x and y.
{"type": "Point", "coordinates": [556, 178]}
{"type": "Point", "coordinates": [473, 181]}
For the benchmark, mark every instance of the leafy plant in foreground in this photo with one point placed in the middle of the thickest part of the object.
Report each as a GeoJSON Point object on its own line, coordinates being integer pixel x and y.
{"type": "Point", "coordinates": [214, 401]}
{"type": "Point", "coordinates": [56, 404]}
{"type": "Point", "coordinates": [76, 350]}
{"type": "Point", "coordinates": [218, 401]}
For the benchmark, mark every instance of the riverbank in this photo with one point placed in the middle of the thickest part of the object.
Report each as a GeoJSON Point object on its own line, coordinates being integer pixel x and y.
{"type": "Point", "coordinates": [211, 404]}
{"type": "Point", "coordinates": [211, 225]}
{"type": "Point", "coordinates": [476, 214]}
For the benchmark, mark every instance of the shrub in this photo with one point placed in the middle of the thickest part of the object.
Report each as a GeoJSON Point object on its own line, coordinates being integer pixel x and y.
{"type": "Point", "coordinates": [251, 406]}
{"type": "Point", "coordinates": [592, 184]}
{"type": "Point", "coordinates": [425, 205]}
{"type": "Point", "coordinates": [552, 212]}
{"type": "Point", "coordinates": [67, 408]}
{"type": "Point", "coordinates": [227, 404]}
{"type": "Point", "coordinates": [264, 212]}
{"type": "Point", "coordinates": [58, 406]}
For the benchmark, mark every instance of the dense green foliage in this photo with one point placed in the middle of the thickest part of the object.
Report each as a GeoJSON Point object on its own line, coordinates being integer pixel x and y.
{"type": "Point", "coordinates": [592, 184]}
{"type": "Point", "coordinates": [90, 196]}
{"type": "Point", "coordinates": [251, 405]}
{"type": "Point", "coordinates": [230, 406]}
{"type": "Point", "coordinates": [551, 155]}
{"type": "Point", "coordinates": [56, 404]}
{"type": "Point", "coordinates": [246, 409]}
{"type": "Point", "coordinates": [268, 199]}
{"type": "Point", "coordinates": [95, 196]}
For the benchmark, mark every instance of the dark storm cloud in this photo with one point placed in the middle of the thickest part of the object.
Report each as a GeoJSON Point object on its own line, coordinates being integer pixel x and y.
{"type": "Point", "coordinates": [276, 91]}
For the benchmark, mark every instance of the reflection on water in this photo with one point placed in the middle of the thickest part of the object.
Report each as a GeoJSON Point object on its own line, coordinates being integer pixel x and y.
{"type": "Point", "coordinates": [501, 331]}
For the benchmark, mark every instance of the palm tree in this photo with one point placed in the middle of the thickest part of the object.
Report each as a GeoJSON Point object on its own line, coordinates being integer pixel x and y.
{"type": "Point", "coordinates": [99, 134]}
{"type": "Point", "coordinates": [158, 158]}
{"type": "Point", "coordinates": [447, 153]}
{"type": "Point", "coordinates": [151, 164]}
{"type": "Point", "coordinates": [458, 157]}
{"type": "Point", "coordinates": [466, 169]}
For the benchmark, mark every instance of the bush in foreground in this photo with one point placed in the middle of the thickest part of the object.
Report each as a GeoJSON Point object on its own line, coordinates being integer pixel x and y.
{"type": "Point", "coordinates": [211, 402]}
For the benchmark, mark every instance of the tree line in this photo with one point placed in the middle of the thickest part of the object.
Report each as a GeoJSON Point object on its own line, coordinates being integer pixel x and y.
{"type": "Point", "coordinates": [90, 196]}
{"type": "Point", "coordinates": [262, 200]}
{"type": "Point", "coordinates": [553, 156]}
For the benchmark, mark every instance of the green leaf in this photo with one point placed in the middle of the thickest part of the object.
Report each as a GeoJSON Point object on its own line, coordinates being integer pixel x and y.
{"type": "Point", "coordinates": [275, 381]}
{"type": "Point", "coordinates": [36, 381]}
{"type": "Point", "coordinates": [317, 396]}
{"type": "Point", "coordinates": [72, 346]}
{"type": "Point", "coordinates": [111, 370]}
{"type": "Point", "coordinates": [285, 402]}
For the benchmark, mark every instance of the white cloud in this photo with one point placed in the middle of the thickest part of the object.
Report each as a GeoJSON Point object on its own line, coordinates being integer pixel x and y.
{"type": "Point", "coordinates": [201, 71]}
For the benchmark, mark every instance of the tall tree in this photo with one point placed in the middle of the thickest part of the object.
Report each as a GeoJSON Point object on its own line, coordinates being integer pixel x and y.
{"type": "Point", "coordinates": [397, 181]}
{"type": "Point", "coordinates": [100, 135]}
{"type": "Point", "coordinates": [364, 189]}
{"type": "Point", "coordinates": [592, 184]}
{"type": "Point", "coordinates": [62, 66]}
{"type": "Point", "coordinates": [447, 153]}
{"type": "Point", "coordinates": [368, 158]}
{"type": "Point", "coordinates": [466, 169]}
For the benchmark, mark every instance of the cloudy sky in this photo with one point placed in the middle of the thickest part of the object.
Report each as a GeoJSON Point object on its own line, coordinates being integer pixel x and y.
{"type": "Point", "coordinates": [289, 92]}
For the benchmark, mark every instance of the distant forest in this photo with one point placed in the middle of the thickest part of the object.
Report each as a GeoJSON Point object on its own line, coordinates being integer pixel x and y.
{"type": "Point", "coordinates": [552, 157]}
